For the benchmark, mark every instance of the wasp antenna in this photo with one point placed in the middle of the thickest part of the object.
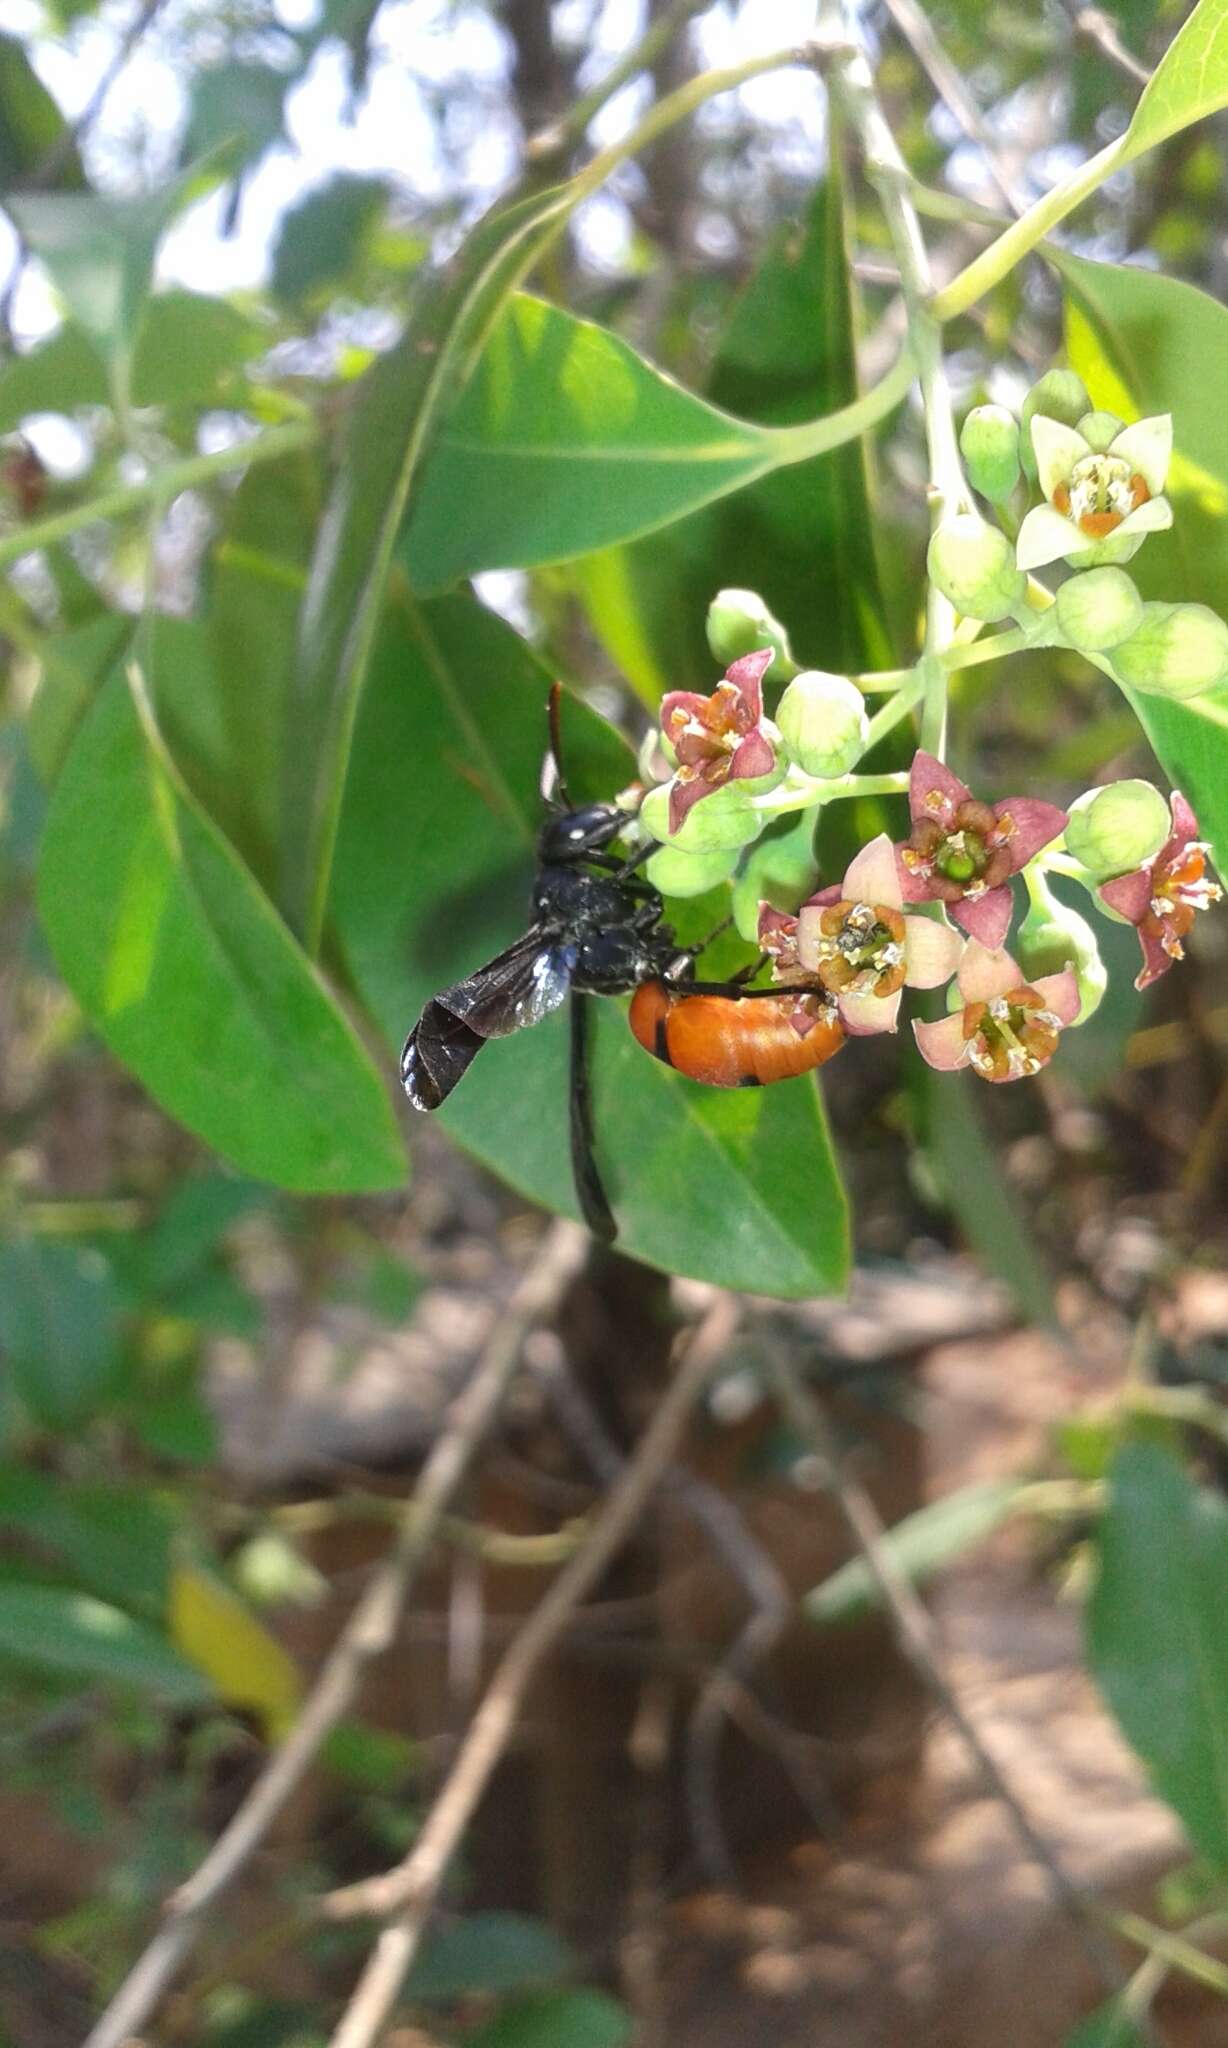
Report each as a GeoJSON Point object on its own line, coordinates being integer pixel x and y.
{"type": "Point", "coordinates": [555, 758]}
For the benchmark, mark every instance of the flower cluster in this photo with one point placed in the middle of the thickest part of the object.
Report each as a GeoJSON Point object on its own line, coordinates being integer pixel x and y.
{"type": "Point", "coordinates": [935, 910]}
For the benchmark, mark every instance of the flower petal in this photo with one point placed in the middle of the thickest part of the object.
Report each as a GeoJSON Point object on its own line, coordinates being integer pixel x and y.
{"type": "Point", "coordinates": [984, 973]}
{"type": "Point", "coordinates": [1153, 517]}
{"type": "Point", "coordinates": [747, 673]}
{"type": "Point", "coordinates": [1060, 993]}
{"type": "Point", "coordinates": [987, 917]}
{"type": "Point", "coordinates": [809, 933]}
{"type": "Point", "coordinates": [872, 875]}
{"type": "Point", "coordinates": [1129, 895]}
{"type": "Point", "coordinates": [1148, 447]}
{"type": "Point", "coordinates": [683, 796]}
{"type": "Point", "coordinates": [1045, 537]}
{"type": "Point", "coordinates": [933, 792]}
{"type": "Point", "coordinates": [1156, 959]}
{"type": "Point", "coordinates": [931, 952]}
{"type": "Point", "coordinates": [1034, 824]}
{"type": "Point", "coordinates": [1185, 824]}
{"type": "Point", "coordinates": [752, 756]}
{"type": "Point", "coordinates": [943, 1044]}
{"type": "Point", "coordinates": [862, 1016]}
{"type": "Point", "coordinates": [1058, 448]}
{"type": "Point", "coordinates": [679, 706]}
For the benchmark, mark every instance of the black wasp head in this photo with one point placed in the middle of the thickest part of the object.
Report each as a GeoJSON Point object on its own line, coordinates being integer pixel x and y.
{"type": "Point", "coordinates": [571, 834]}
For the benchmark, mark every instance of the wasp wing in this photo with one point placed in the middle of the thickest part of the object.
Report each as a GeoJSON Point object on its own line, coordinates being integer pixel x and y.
{"type": "Point", "coordinates": [517, 988]}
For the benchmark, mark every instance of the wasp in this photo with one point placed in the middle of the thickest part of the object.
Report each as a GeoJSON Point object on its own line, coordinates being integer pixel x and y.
{"type": "Point", "coordinates": [598, 929]}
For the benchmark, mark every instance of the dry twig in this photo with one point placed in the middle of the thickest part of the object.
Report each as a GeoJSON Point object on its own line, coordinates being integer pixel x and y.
{"type": "Point", "coordinates": [409, 1891]}
{"type": "Point", "coordinates": [948, 82]}
{"type": "Point", "coordinates": [369, 1631]}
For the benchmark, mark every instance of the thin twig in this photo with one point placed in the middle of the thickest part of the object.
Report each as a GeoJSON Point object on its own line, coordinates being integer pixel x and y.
{"type": "Point", "coordinates": [1101, 29]}
{"type": "Point", "coordinates": [370, 1630]}
{"type": "Point", "coordinates": [48, 169]}
{"type": "Point", "coordinates": [410, 1889]}
{"type": "Point", "coordinates": [915, 1635]}
{"type": "Point", "coordinates": [549, 148]}
{"type": "Point", "coordinates": [948, 82]}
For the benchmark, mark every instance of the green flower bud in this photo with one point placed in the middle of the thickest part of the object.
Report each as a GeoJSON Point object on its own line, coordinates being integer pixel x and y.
{"type": "Point", "coordinates": [1098, 609]}
{"type": "Point", "coordinates": [1053, 937]}
{"type": "Point", "coordinates": [676, 873]}
{"type": "Point", "coordinates": [974, 565]}
{"type": "Point", "coordinates": [989, 443]}
{"type": "Point", "coordinates": [1060, 395]}
{"type": "Point", "coordinates": [726, 819]}
{"type": "Point", "coordinates": [1116, 828]}
{"type": "Point", "coordinates": [1099, 430]}
{"type": "Point", "coordinates": [823, 723]}
{"type": "Point", "coordinates": [739, 623]}
{"type": "Point", "coordinates": [1179, 651]}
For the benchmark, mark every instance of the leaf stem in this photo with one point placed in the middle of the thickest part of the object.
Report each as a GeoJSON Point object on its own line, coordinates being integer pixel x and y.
{"type": "Point", "coordinates": [160, 484]}
{"type": "Point", "coordinates": [999, 259]}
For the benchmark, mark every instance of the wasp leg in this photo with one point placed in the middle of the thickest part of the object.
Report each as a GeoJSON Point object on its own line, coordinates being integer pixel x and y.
{"type": "Point", "coordinates": [594, 1204]}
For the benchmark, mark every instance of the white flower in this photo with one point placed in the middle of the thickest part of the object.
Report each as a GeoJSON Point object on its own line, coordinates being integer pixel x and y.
{"type": "Point", "coordinates": [1100, 506]}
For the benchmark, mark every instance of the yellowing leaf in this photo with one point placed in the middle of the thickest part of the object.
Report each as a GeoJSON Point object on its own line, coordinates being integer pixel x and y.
{"type": "Point", "coordinates": [218, 1634]}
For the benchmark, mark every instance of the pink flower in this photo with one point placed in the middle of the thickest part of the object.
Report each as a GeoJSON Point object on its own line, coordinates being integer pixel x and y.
{"type": "Point", "coordinates": [856, 940]}
{"type": "Point", "coordinates": [963, 852]}
{"type": "Point", "coordinates": [1008, 1028]}
{"type": "Point", "coordinates": [720, 738]}
{"type": "Point", "coordinates": [1163, 896]}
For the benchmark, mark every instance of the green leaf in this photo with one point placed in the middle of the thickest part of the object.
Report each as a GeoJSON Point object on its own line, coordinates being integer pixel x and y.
{"type": "Point", "coordinates": [433, 877]}
{"type": "Point", "coordinates": [59, 1327]}
{"type": "Point", "coordinates": [1110, 2026]}
{"type": "Point", "coordinates": [236, 108]}
{"type": "Point", "coordinates": [192, 1223]}
{"type": "Point", "coordinates": [974, 1187]}
{"type": "Point", "coordinates": [803, 537]}
{"type": "Point", "coordinates": [58, 375]}
{"type": "Point", "coordinates": [566, 440]}
{"type": "Point", "coordinates": [32, 128]}
{"type": "Point", "coordinates": [1143, 342]}
{"type": "Point", "coordinates": [558, 2019]}
{"type": "Point", "coordinates": [74, 666]}
{"type": "Point", "coordinates": [321, 237]}
{"type": "Point", "coordinates": [488, 1952]}
{"type": "Point", "coordinates": [395, 409]}
{"type": "Point", "coordinates": [1190, 81]}
{"type": "Point", "coordinates": [1155, 1634]}
{"type": "Point", "coordinates": [918, 1546]}
{"type": "Point", "coordinates": [191, 349]}
{"type": "Point", "coordinates": [187, 972]}
{"type": "Point", "coordinates": [100, 252]}
{"type": "Point", "coordinates": [49, 1628]}
{"type": "Point", "coordinates": [115, 1541]}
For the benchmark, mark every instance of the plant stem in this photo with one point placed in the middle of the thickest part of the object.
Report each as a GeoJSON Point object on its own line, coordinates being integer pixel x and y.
{"type": "Point", "coordinates": [802, 792]}
{"type": "Point", "coordinates": [853, 85]}
{"type": "Point", "coordinates": [162, 484]}
{"type": "Point", "coordinates": [973, 652]}
{"type": "Point", "coordinates": [996, 262]}
{"type": "Point", "coordinates": [550, 148]}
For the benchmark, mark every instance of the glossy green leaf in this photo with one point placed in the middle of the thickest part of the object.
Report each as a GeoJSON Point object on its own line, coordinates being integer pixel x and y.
{"type": "Point", "coordinates": [566, 440]}
{"type": "Point", "coordinates": [59, 1329]}
{"type": "Point", "coordinates": [558, 2019]}
{"type": "Point", "coordinates": [1156, 1638]}
{"type": "Point", "coordinates": [33, 131]}
{"type": "Point", "coordinates": [803, 537]}
{"type": "Point", "coordinates": [487, 1952]}
{"type": "Point", "coordinates": [74, 666]}
{"type": "Point", "coordinates": [433, 873]}
{"type": "Point", "coordinates": [184, 968]}
{"type": "Point", "coordinates": [1190, 82]}
{"type": "Point", "coordinates": [1145, 342]}
{"type": "Point", "coordinates": [394, 411]}
{"type": "Point", "coordinates": [50, 1628]}
{"type": "Point", "coordinates": [918, 1546]}
{"type": "Point", "coordinates": [1110, 2026]}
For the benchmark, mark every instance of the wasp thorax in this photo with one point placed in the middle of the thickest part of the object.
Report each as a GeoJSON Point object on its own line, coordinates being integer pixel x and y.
{"type": "Point", "coordinates": [860, 949]}
{"type": "Point", "coordinates": [1012, 1035]}
{"type": "Point", "coordinates": [1100, 492]}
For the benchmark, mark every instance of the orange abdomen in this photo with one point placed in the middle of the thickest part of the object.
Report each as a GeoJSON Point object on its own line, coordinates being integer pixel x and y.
{"type": "Point", "coordinates": [727, 1042]}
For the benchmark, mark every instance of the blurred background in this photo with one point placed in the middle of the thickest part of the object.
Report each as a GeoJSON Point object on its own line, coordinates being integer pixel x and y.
{"type": "Point", "coordinates": [215, 1392]}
